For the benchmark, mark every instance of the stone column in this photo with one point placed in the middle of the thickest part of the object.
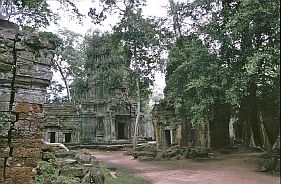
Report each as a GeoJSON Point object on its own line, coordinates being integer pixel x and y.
{"type": "Point", "coordinates": [25, 62]}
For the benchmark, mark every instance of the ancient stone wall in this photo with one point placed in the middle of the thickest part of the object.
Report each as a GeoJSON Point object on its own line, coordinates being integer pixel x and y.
{"type": "Point", "coordinates": [167, 134]}
{"type": "Point", "coordinates": [25, 61]}
{"type": "Point", "coordinates": [62, 123]}
{"type": "Point", "coordinates": [88, 122]}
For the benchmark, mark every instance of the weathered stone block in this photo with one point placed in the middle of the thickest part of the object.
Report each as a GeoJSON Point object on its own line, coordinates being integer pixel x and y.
{"type": "Point", "coordinates": [8, 34]}
{"type": "Point", "coordinates": [4, 152]}
{"type": "Point", "coordinates": [31, 116]}
{"type": "Point", "coordinates": [6, 116]}
{"type": "Point", "coordinates": [23, 81]}
{"type": "Point", "coordinates": [26, 152]}
{"type": "Point", "coordinates": [38, 41]}
{"type": "Point", "coordinates": [25, 116]}
{"type": "Point", "coordinates": [46, 57]}
{"type": "Point", "coordinates": [4, 128]}
{"type": "Point", "coordinates": [31, 162]}
{"type": "Point", "coordinates": [4, 106]}
{"type": "Point", "coordinates": [6, 43]}
{"type": "Point", "coordinates": [2, 162]}
{"type": "Point", "coordinates": [37, 108]}
{"type": "Point", "coordinates": [29, 126]}
{"type": "Point", "coordinates": [26, 55]}
{"type": "Point", "coordinates": [5, 95]}
{"type": "Point", "coordinates": [83, 157]}
{"type": "Point", "coordinates": [1, 176]}
{"type": "Point", "coordinates": [25, 68]}
{"type": "Point", "coordinates": [3, 142]}
{"type": "Point", "coordinates": [22, 107]}
{"type": "Point", "coordinates": [47, 156]}
{"type": "Point", "coordinates": [19, 162]}
{"type": "Point", "coordinates": [94, 175]}
{"type": "Point", "coordinates": [23, 175]}
{"type": "Point", "coordinates": [26, 134]}
{"type": "Point", "coordinates": [70, 161]}
{"type": "Point", "coordinates": [7, 25]}
{"type": "Point", "coordinates": [4, 49]}
{"type": "Point", "coordinates": [5, 67]}
{"type": "Point", "coordinates": [20, 46]}
{"type": "Point", "coordinates": [6, 79]}
{"type": "Point", "coordinates": [42, 72]}
{"type": "Point", "coordinates": [73, 171]}
{"type": "Point", "coordinates": [26, 143]}
{"type": "Point", "coordinates": [31, 96]}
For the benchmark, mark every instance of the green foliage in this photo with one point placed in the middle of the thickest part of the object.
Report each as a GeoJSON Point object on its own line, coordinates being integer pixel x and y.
{"type": "Point", "coordinates": [139, 39]}
{"type": "Point", "coordinates": [231, 58]}
{"type": "Point", "coordinates": [195, 80]}
{"type": "Point", "coordinates": [48, 174]}
{"type": "Point", "coordinates": [52, 38]}
{"type": "Point", "coordinates": [70, 62]}
{"type": "Point", "coordinates": [32, 14]}
{"type": "Point", "coordinates": [107, 60]}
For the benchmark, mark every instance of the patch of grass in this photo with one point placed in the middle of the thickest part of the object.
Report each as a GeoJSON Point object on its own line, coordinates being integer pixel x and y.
{"type": "Point", "coordinates": [122, 178]}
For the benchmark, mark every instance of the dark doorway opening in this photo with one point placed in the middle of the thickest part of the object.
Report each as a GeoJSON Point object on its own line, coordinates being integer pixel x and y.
{"type": "Point", "coordinates": [167, 138]}
{"type": "Point", "coordinates": [121, 131]}
{"type": "Point", "coordinates": [122, 127]}
{"type": "Point", "coordinates": [52, 137]}
{"type": "Point", "coordinates": [67, 137]}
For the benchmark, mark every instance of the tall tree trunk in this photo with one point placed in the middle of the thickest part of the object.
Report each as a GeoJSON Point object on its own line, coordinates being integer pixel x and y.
{"type": "Point", "coordinates": [135, 137]}
{"type": "Point", "coordinates": [65, 81]}
{"type": "Point", "coordinates": [184, 133]}
{"type": "Point", "coordinates": [253, 116]}
{"type": "Point", "coordinates": [219, 126]}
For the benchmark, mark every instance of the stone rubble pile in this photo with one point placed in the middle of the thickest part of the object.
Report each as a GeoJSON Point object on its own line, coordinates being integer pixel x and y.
{"type": "Point", "coordinates": [147, 153]}
{"type": "Point", "coordinates": [71, 167]}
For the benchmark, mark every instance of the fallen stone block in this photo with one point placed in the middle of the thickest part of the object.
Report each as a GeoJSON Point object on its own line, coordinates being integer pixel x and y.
{"type": "Point", "coordinates": [72, 171]}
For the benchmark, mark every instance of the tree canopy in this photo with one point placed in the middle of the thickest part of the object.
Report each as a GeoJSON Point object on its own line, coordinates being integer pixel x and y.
{"type": "Point", "coordinates": [35, 13]}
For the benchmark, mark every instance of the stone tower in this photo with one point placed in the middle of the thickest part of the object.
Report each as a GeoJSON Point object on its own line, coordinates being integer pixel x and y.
{"type": "Point", "coordinates": [107, 112]}
{"type": "Point", "coordinates": [105, 115]}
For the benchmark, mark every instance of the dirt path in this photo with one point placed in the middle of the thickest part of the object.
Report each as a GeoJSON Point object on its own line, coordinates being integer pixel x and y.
{"type": "Point", "coordinates": [226, 169]}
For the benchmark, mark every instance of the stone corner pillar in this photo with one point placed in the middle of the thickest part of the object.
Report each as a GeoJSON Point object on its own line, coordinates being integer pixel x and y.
{"type": "Point", "coordinates": [25, 72]}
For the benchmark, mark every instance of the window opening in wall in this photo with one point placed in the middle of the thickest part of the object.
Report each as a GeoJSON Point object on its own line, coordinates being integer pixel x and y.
{"type": "Point", "coordinates": [52, 137]}
{"type": "Point", "coordinates": [67, 137]}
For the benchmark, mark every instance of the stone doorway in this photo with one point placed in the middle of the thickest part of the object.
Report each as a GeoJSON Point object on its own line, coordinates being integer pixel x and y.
{"type": "Point", "coordinates": [167, 138]}
{"type": "Point", "coordinates": [67, 137]}
{"type": "Point", "coordinates": [52, 137]}
{"type": "Point", "coordinates": [122, 128]}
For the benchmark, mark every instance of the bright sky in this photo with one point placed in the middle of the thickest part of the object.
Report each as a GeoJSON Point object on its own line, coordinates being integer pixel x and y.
{"type": "Point", "coordinates": [153, 8]}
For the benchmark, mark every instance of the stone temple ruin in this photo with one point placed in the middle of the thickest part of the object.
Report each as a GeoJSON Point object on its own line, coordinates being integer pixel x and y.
{"type": "Point", "coordinates": [103, 117]}
{"type": "Point", "coordinates": [89, 122]}
{"type": "Point", "coordinates": [25, 62]}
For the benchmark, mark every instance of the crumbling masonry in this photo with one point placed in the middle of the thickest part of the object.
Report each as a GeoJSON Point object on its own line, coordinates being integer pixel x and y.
{"type": "Point", "coordinates": [25, 61]}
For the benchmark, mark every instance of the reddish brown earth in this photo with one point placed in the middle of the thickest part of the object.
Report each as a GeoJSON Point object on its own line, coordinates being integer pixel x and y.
{"type": "Point", "coordinates": [221, 169]}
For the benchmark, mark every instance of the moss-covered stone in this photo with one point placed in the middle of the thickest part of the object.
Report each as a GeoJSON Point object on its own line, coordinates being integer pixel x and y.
{"type": "Point", "coordinates": [5, 67]}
